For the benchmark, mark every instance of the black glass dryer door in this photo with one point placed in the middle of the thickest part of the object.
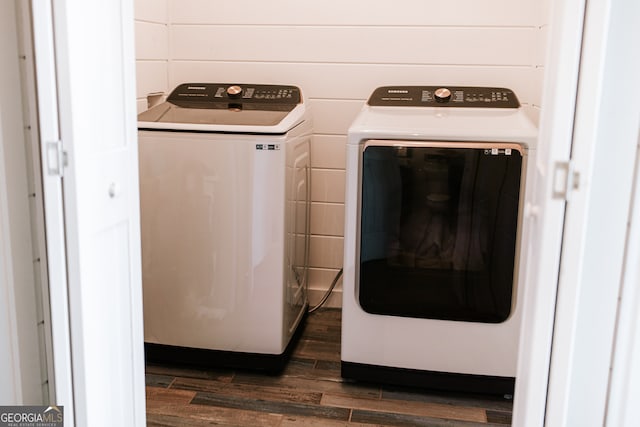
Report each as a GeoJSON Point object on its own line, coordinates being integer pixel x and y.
{"type": "Point", "coordinates": [438, 229]}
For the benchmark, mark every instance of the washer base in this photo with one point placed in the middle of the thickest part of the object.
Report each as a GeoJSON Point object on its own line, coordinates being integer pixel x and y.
{"type": "Point", "coordinates": [206, 358]}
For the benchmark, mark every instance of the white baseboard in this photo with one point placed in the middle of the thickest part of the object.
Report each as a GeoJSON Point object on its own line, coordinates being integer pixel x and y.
{"type": "Point", "coordinates": [334, 300]}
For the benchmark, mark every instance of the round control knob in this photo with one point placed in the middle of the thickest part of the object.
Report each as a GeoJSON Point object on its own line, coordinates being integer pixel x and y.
{"type": "Point", "coordinates": [442, 95]}
{"type": "Point", "coordinates": [234, 91]}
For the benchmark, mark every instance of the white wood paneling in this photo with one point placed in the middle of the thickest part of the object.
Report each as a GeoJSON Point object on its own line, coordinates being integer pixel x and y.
{"type": "Point", "coordinates": [327, 185]}
{"type": "Point", "coordinates": [326, 252]}
{"type": "Point", "coordinates": [141, 105]}
{"type": "Point", "coordinates": [36, 206]}
{"type": "Point", "coordinates": [334, 117]}
{"type": "Point", "coordinates": [152, 49]}
{"type": "Point", "coordinates": [327, 219]}
{"type": "Point", "coordinates": [358, 12]}
{"type": "Point", "coordinates": [151, 76]}
{"type": "Point", "coordinates": [18, 322]}
{"type": "Point", "coordinates": [385, 45]}
{"type": "Point", "coordinates": [152, 41]}
{"type": "Point", "coordinates": [11, 386]}
{"type": "Point", "coordinates": [537, 81]}
{"type": "Point", "coordinates": [321, 278]}
{"type": "Point", "coordinates": [357, 81]}
{"type": "Point", "coordinates": [328, 151]}
{"type": "Point", "coordinates": [541, 46]}
{"type": "Point", "coordinates": [152, 11]}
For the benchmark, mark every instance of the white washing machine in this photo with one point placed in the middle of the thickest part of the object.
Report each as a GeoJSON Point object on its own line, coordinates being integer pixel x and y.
{"type": "Point", "coordinates": [225, 199]}
{"type": "Point", "coordinates": [433, 237]}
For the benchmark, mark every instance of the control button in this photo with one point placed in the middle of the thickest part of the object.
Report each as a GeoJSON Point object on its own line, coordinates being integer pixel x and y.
{"type": "Point", "coordinates": [234, 91]}
{"type": "Point", "coordinates": [442, 95]}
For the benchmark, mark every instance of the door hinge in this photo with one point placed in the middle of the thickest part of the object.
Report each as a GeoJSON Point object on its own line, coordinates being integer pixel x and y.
{"type": "Point", "coordinates": [56, 158]}
{"type": "Point", "coordinates": [565, 180]}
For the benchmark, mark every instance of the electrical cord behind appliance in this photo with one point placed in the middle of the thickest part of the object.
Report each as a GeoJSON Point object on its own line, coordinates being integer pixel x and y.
{"type": "Point", "coordinates": [326, 294]}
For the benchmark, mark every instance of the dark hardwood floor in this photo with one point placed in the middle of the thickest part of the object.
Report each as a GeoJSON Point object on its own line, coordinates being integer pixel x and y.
{"type": "Point", "coordinates": [309, 392]}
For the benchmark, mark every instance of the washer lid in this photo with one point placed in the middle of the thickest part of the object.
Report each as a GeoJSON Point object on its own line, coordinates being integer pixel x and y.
{"type": "Point", "coordinates": [218, 105]}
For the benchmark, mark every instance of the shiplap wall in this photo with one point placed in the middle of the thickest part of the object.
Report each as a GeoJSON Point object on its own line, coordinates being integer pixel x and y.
{"type": "Point", "coordinates": [338, 51]}
{"type": "Point", "coordinates": [152, 49]}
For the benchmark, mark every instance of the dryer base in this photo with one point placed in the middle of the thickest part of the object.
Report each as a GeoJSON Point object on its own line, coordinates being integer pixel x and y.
{"type": "Point", "coordinates": [481, 384]}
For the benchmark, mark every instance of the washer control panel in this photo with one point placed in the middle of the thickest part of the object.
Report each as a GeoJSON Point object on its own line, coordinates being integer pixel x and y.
{"type": "Point", "coordinates": [444, 96]}
{"type": "Point", "coordinates": [254, 96]}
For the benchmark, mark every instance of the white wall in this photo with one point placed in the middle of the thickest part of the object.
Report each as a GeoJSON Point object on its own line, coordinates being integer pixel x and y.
{"type": "Point", "coordinates": [152, 49]}
{"type": "Point", "coordinates": [338, 52]}
{"type": "Point", "coordinates": [20, 368]}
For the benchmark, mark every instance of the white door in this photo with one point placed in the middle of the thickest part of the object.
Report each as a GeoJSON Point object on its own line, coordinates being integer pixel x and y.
{"type": "Point", "coordinates": [589, 149]}
{"type": "Point", "coordinates": [85, 77]}
{"type": "Point", "coordinates": [595, 243]}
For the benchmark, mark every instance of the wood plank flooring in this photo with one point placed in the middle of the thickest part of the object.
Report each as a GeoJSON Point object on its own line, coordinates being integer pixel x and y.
{"type": "Point", "coordinates": [308, 393]}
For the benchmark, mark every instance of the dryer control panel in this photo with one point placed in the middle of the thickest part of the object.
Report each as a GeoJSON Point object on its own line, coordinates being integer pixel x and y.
{"type": "Point", "coordinates": [226, 95]}
{"type": "Point", "coordinates": [444, 96]}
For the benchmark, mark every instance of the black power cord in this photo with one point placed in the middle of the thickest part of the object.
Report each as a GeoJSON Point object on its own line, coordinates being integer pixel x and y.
{"type": "Point", "coordinates": [326, 295]}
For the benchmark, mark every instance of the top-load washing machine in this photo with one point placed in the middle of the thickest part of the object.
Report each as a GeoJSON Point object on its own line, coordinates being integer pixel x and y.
{"type": "Point", "coordinates": [225, 201]}
{"type": "Point", "coordinates": [436, 181]}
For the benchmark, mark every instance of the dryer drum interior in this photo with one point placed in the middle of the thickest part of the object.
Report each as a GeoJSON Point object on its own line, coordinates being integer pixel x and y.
{"type": "Point", "coordinates": [438, 230]}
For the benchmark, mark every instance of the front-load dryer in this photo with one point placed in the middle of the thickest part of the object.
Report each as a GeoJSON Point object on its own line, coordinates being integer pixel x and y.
{"type": "Point", "coordinates": [436, 182]}
{"type": "Point", "coordinates": [224, 188]}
